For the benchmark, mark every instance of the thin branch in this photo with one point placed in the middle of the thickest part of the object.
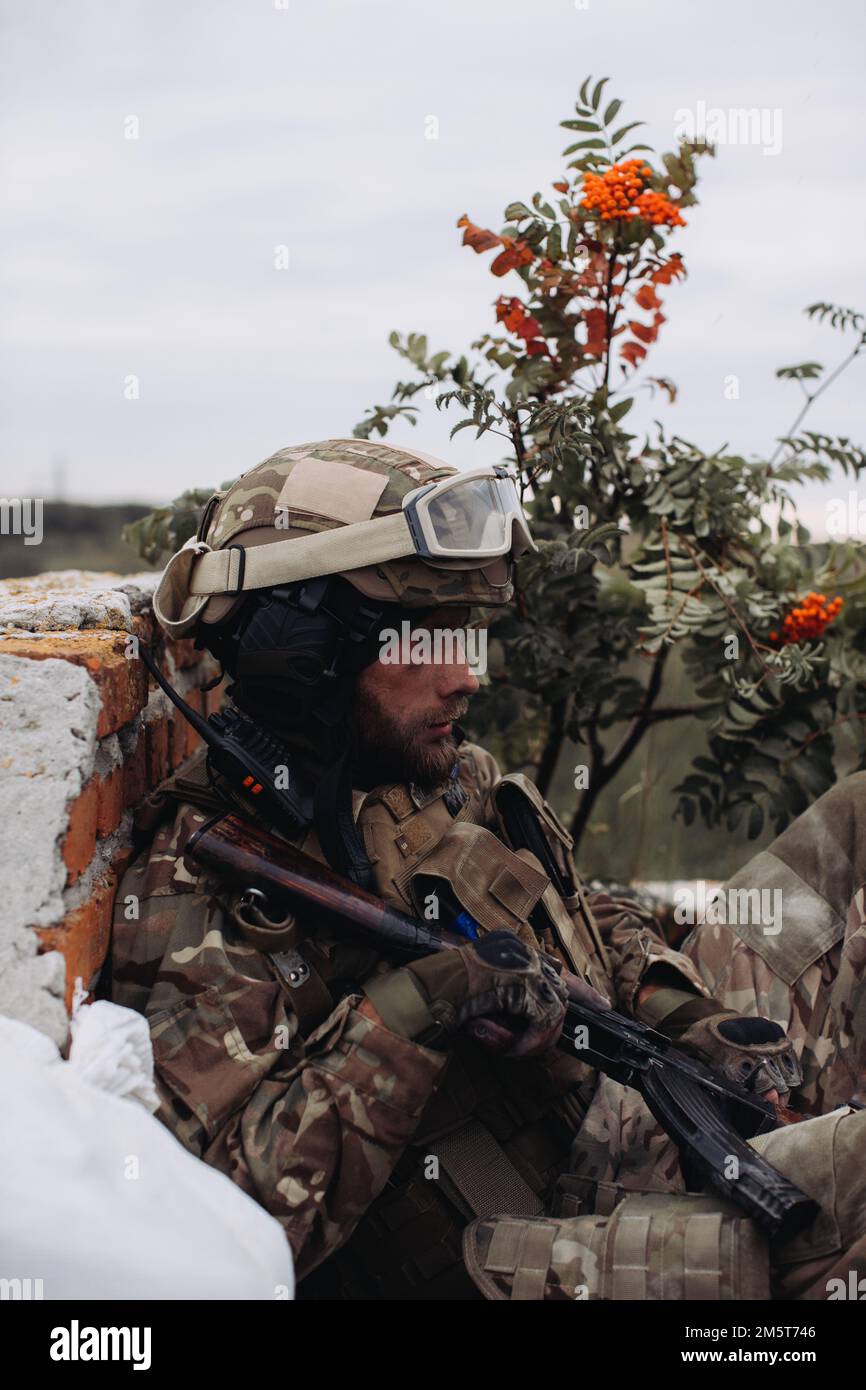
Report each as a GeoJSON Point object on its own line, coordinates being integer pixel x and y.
{"type": "Point", "coordinates": [658, 716]}
{"type": "Point", "coordinates": [642, 718]}
{"type": "Point", "coordinates": [726, 601]}
{"type": "Point", "coordinates": [810, 400]}
{"type": "Point", "coordinates": [818, 732]}
{"type": "Point", "coordinates": [609, 316]}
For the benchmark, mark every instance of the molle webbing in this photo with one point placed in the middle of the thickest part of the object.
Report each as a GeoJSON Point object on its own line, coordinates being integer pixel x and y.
{"type": "Point", "coordinates": [497, 887]}
{"type": "Point", "coordinates": [655, 1246]}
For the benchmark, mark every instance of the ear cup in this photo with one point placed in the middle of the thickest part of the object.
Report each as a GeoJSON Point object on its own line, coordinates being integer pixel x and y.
{"type": "Point", "coordinates": [288, 648]}
{"type": "Point", "coordinates": [294, 650]}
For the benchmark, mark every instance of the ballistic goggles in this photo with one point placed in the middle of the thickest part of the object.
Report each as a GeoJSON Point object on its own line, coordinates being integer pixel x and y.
{"type": "Point", "coordinates": [470, 516]}
{"type": "Point", "coordinates": [473, 515]}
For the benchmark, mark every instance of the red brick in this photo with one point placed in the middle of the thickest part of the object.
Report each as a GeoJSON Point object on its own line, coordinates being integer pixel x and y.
{"type": "Point", "coordinates": [82, 937]}
{"type": "Point", "coordinates": [143, 626]}
{"type": "Point", "coordinates": [121, 860]}
{"type": "Point", "coordinates": [110, 802]}
{"type": "Point", "coordinates": [156, 743]}
{"type": "Point", "coordinates": [179, 727]}
{"type": "Point", "coordinates": [186, 654]}
{"type": "Point", "coordinates": [135, 773]}
{"type": "Point", "coordinates": [191, 739]}
{"type": "Point", "coordinates": [121, 682]}
{"type": "Point", "coordinates": [80, 842]}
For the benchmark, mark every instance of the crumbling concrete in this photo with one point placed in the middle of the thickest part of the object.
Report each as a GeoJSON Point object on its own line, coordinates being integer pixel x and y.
{"type": "Point", "coordinates": [81, 740]}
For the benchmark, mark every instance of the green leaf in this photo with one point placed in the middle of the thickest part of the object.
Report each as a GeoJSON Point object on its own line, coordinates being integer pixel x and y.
{"type": "Point", "coordinates": [596, 96]}
{"type": "Point", "coordinates": [580, 125]}
{"type": "Point", "coordinates": [804, 371]}
{"type": "Point", "coordinates": [611, 111]}
{"type": "Point", "coordinates": [544, 208]}
{"type": "Point", "coordinates": [756, 822]}
{"type": "Point", "coordinates": [515, 212]}
{"type": "Point", "coordinates": [621, 408]}
{"type": "Point", "coordinates": [624, 130]}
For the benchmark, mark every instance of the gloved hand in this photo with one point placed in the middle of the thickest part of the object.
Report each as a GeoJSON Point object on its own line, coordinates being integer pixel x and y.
{"type": "Point", "coordinates": [751, 1051]}
{"type": "Point", "coordinates": [497, 979]}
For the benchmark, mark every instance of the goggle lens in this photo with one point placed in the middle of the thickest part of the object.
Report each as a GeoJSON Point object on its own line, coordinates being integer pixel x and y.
{"type": "Point", "coordinates": [474, 515]}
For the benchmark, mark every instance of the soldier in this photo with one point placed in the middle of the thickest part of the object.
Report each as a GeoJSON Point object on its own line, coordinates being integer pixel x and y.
{"type": "Point", "coordinates": [364, 1105]}
{"type": "Point", "coordinates": [807, 970]}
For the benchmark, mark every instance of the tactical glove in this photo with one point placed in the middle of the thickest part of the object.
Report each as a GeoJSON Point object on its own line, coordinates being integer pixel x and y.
{"type": "Point", "coordinates": [751, 1051]}
{"type": "Point", "coordinates": [496, 988]}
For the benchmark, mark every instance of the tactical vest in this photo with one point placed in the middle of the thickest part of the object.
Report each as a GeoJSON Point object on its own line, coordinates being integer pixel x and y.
{"type": "Point", "coordinates": [496, 1136]}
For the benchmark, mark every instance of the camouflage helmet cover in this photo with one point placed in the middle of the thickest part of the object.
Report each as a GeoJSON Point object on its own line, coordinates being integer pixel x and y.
{"type": "Point", "coordinates": [348, 480]}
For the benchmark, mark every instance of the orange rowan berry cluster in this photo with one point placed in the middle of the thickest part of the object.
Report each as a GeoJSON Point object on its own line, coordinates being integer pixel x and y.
{"type": "Point", "coordinates": [620, 192]}
{"type": "Point", "coordinates": [656, 208]}
{"type": "Point", "coordinates": [808, 620]}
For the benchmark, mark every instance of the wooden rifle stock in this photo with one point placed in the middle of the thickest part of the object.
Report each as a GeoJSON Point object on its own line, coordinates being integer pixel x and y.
{"type": "Point", "coordinates": [254, 858]}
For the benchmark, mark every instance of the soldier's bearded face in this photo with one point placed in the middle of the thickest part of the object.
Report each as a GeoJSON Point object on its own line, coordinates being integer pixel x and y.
{"type": "Point", "coordinates": [404, 713]}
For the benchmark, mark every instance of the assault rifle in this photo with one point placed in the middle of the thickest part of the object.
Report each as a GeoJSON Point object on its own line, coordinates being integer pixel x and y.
{"type": "Point", "coordinates": [708, 1117]}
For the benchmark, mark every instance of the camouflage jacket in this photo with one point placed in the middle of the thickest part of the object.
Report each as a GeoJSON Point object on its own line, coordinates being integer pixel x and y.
{"type": "Point", "coordinates": [786, 939]}
{"type": "Point", "coordinates": [313, 1122]}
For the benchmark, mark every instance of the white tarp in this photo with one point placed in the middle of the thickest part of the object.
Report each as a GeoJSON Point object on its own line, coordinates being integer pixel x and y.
{"type": "Point", "coordinates": [97, 1198]}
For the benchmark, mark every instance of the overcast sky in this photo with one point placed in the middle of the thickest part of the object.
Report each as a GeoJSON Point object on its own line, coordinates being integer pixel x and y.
{"type": "Point", "coordinates": [302, 123]}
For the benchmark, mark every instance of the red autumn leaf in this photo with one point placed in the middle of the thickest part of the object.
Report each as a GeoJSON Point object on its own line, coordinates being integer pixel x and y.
{"type": "Point", "coordinates": [511, 312]}
{"type": "Point", "coordinates": [665, 273]}
{"type": "Point", "coordinates": [647, 298]}
{"type": "Point", "coordinates": [596, 332]}
{"type": "Point", "coordinates": [536, 348]}
{"type": "Point", "coordinates": [516, 253]}
{"type": "Point", "coordinates": [479, 238]}
{"type": "Point", "coordinates": [632, 352]}
{"type": "Point", "coordinates": [645, 331]}
{"type": "Point", "coordinates": [561, 187]}
{"type": "Point", "coordinates": [517, 318]}
{"type": "Point", "coordinates": [529, 328]}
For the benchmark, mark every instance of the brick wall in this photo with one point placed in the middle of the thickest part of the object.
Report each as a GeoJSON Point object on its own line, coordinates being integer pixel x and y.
{"type": "Point", "coordinates": [84, 735]}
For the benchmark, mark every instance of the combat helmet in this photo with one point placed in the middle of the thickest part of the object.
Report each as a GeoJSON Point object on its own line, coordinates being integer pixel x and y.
{"type": "Point", "coordinates": [349, 507]}
{"type": "Point", "coordinates": [301, 563]}
{"type": "Point", "coordinates": [298, 566]}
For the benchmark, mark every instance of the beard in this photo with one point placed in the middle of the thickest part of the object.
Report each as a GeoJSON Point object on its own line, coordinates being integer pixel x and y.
{"type": "Point", "coordinates": [389, 749]}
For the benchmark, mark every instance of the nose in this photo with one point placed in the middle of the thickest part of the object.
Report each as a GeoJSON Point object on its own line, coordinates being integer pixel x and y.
{"type": "Point", "coordinates": [455, 678]}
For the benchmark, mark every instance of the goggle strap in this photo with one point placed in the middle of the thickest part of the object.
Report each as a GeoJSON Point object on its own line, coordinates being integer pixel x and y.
{"type": "Point", "coordinates": [305, 557]}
